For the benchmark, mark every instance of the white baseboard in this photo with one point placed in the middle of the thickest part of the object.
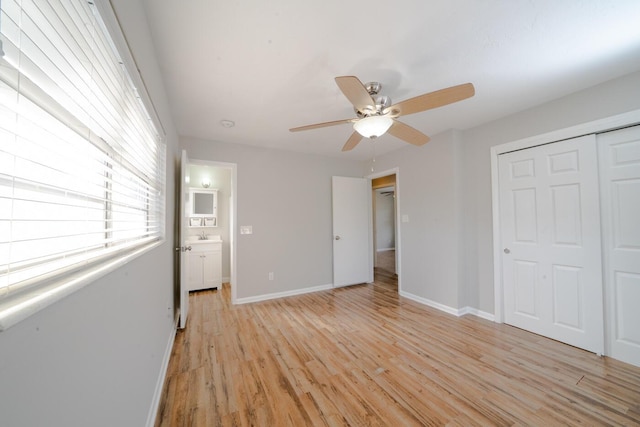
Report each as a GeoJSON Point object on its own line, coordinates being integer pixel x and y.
{"type": "Point", "coordinates": [455, 311]}
{"type": "Point", "coordinates": [226, 280]}
{"type": "Point", "coordinates": [430, 303]}
{"type": "Point", "coordinates": [479, 313]}
{"type": "Point", "coordinates": [283, 294]}
{"type": "Point", "coordinates": [157, 394]}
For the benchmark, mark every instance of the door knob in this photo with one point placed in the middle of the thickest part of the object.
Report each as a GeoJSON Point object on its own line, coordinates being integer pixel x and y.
{"type": "Point", "coordinates": [507, 251]}
{"type": "Point", "coordinates": [337, 237]}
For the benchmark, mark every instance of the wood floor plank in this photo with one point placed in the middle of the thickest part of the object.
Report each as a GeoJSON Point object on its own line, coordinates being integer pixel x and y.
{"type": "Point", "coordinates": [363, 355]}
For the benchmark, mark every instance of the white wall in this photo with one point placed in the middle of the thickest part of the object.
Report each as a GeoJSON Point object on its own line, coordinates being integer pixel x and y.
{"type": "Point", "coordinates": [426, 193]}
{"type": "Point", "coordinates": [94, 358]}
{"type": "Point", "coordinates": [286, 197]}
{"type": "Point", "coordinates": [445, 188]}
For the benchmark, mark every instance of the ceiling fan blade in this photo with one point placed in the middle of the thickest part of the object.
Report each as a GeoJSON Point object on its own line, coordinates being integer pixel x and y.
{"type": "Point", "coordinates": [432, 100]}
{"type": "Point", "coordinates": [356, 93]}
{"type": "Point", "coordinates": [353, 140]}
{"type": "Point", "coordinates": [408, 134]}
{"type": "Point", "coordinates": [322, 125]}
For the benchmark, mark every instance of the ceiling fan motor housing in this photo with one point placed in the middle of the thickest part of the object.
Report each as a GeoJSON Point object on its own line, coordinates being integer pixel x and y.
{"type": "Point", "coordinates": [373, 88]}
{"type": "Point", "coordinates": [380, 102]}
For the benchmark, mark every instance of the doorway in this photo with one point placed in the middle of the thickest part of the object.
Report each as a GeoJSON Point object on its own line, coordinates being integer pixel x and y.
{"type": "Point", "coordinates": [385, 230]}
{"type": "Point", "coordinates": [384, 227]}
{"type": "Point", "coordinates": [222, 177]}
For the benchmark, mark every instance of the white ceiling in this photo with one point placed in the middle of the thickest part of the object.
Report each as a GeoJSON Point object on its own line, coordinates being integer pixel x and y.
{"type": "Point", "coordinates": [270, 65]}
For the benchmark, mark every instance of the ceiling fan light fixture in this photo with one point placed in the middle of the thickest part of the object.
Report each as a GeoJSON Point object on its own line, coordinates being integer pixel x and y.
{"type": "Point", "coordinates": [373, 126]}
{"type": "Point", "coordinates": [376, 114]}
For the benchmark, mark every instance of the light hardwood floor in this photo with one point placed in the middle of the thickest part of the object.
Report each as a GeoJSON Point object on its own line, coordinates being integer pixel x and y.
{"type": "Point", "coordinates": [362, 355]}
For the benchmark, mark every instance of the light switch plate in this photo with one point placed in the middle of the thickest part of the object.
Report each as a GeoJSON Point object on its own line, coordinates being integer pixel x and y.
{"type": "Point", "coordinates": [246, 229]}
{"type": "Point", "coordinates": [405, 218]}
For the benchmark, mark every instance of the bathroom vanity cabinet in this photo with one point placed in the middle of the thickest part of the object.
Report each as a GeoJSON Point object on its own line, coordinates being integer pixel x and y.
{"type": "Point", "coordinates": [204, 264]}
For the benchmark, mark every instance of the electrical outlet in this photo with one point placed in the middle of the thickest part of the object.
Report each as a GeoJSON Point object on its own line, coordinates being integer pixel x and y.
{"type": "Point", "coordinates": [271, 275]}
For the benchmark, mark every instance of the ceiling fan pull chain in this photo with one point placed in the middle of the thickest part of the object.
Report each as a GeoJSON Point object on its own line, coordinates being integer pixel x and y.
{"type": "Point", "coordinates": [373, 154]}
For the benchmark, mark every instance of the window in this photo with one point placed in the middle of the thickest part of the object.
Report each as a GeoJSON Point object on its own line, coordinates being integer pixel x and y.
{"type": "Point", "coordinates": [82, 165]}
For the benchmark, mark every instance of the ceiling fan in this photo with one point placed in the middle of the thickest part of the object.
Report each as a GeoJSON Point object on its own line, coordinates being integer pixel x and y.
{"type": "Point", "coordinates": [376, 115]}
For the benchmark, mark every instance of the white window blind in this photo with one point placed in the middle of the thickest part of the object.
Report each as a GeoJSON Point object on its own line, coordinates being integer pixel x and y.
{"type": "Point", "coordinates": [81, 161]}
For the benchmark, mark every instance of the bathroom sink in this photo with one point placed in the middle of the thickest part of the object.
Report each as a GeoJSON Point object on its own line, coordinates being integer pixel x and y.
{"type": "Point", "coordinates": [211, 238]}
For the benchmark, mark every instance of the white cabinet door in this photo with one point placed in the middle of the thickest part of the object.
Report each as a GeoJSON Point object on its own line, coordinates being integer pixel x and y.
{"type": "Point", "coordinates": [352, 251]}
{"type": "Point", "coordinates": [212, 269]}
{"type": "Point", "coordinates": [620, 177]}
{"type": "Point", "coordinates": [195, 271]}
{"type": "Point", "coordinates": [205, 266]}
{"type": "Point", "coordinates": [216, 271]}
{"type": "Point", "coordinates": [550, 231]}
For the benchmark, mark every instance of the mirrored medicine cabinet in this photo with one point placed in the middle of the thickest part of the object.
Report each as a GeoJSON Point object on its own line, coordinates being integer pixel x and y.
{"type": "Point", "coordinates": [203, 207]}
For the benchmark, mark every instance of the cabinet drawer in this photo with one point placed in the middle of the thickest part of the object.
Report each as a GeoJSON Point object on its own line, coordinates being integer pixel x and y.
{"type": "Point", "coordinates": [205, 247]}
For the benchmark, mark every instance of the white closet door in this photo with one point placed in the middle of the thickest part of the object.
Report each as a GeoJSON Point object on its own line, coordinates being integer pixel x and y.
{"type": "Point", "coordinates": [620, 177]}
{"type": "Point", "coordinates": [550, 228]}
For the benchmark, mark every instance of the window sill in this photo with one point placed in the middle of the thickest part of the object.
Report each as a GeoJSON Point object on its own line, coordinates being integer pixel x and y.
{"type": "Point", "coordinates": [17, 308]}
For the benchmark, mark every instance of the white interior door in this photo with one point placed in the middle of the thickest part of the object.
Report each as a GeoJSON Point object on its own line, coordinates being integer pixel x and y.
{"type": "Point", "coordinates": [184, 284]}
{"type": "Point", "coordinates": [550, 233]}
{"type": "Point", "coordinates": [352, 248]}
{"type": "Point", "coordinates": [620, 177]}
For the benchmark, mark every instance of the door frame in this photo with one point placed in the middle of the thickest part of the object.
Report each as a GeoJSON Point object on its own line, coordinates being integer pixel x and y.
{"type": "Point", "coordinates": [394, 171]}
{"type": "Point", "coordinates": [595, 126]}
{"type": "Point", "coordinates": [233, 219]}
